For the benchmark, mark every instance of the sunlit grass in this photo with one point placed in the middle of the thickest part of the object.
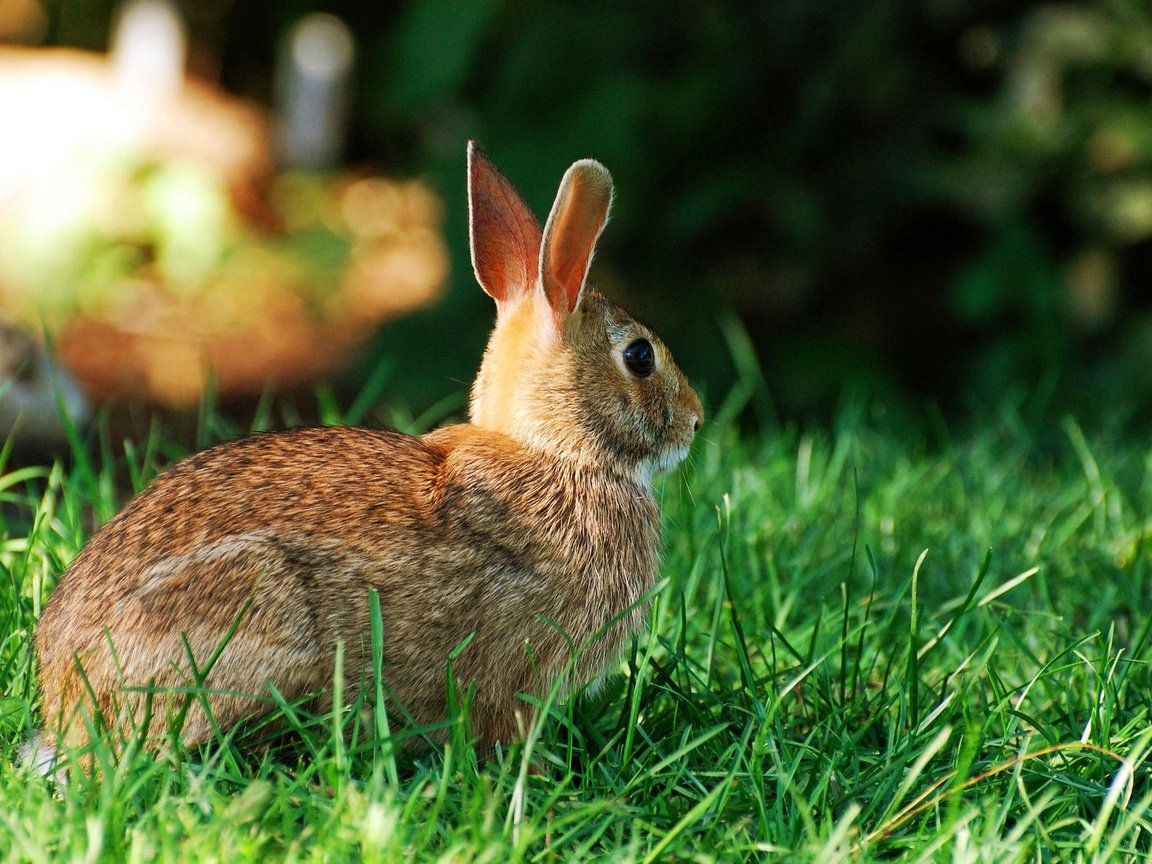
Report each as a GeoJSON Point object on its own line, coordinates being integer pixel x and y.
{"type": "Point", "coordinates": [871, 642]}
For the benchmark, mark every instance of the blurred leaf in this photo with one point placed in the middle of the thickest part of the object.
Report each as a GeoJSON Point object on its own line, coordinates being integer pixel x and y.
{"type": "Point", "coordinates": [432, 50]}
{"type": "Point", "coordinates": [13, 712]}
{"type": "Point", "coordinates": [1014, 273]}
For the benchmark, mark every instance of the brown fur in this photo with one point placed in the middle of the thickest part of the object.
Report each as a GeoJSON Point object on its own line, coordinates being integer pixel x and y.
{"type": "Point", "coordinates": [539, 508]}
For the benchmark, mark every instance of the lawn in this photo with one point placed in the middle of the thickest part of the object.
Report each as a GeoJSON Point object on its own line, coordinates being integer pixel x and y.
{"type": "Point", "coordinates": [878, 640]}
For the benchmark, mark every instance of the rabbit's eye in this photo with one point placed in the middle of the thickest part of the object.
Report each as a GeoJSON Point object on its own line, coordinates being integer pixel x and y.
{"type": "Point", "coordinates": [640, 358]}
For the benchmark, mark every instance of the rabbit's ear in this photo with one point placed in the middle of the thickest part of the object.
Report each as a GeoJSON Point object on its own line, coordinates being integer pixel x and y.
{"type": "Point", "coordinates": [570, 235]}
{"type": "Point", "coordinates": [503, 234]}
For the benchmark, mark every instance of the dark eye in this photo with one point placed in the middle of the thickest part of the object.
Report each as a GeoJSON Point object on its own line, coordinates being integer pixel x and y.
{"type": "Point", "coordinates": [640, 358]}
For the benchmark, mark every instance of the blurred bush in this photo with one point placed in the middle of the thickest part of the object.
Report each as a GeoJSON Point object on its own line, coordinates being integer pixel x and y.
{"type": "Point", "coordinates": [939, 198]}
{"type": "Point", "coordinates": [931, 197]}
{"type": "Point", "coordinates": [142, 227]}
{"type": "Point", "coordinates": [1055, 167]}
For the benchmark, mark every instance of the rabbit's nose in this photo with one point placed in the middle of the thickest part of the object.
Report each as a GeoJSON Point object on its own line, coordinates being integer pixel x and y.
{"type": "Point", "coordinates": [695, 422]}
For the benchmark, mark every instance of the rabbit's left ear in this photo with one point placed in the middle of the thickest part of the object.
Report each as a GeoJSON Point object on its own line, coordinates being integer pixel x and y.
{"type": "Point", "coordinates": [570, 235]}
{"type": "Point", "coordinates": [503, 234]}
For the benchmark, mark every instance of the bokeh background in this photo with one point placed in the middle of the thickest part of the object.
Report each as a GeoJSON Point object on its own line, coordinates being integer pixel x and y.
{"type": "Point", "coordinates": [943, 202]}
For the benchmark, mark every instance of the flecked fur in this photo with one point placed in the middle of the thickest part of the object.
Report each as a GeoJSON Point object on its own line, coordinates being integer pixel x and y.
{"type": "Point", "coordinates": [536, 515]}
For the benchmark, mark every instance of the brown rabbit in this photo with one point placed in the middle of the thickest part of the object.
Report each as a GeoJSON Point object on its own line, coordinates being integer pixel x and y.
{"type": "Point", "coordinates": [528, 528]}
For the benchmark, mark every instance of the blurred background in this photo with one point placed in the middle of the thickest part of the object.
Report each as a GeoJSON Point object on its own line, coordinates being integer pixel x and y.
{"type": "Point", "coordinates": [930, 201]}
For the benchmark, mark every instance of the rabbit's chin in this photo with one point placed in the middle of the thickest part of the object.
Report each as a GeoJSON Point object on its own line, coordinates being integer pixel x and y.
{"type": "Point", "coordinates": [665, 461]}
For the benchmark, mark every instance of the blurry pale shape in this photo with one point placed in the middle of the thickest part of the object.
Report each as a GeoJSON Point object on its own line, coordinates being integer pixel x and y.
{"type": "Point", "coordinates": [58, 116]}
{"type": "Point", "coordinates": [192, 218]}
{"type": "Point", "coordinates": [174, 371]}
{"type": "Point", "coordinates": [322, 47]}
{"type": "Point", "coordinates": [259, 317]}
{"type": "Point", "coordinates": [1110, 149]}
{"type": "Point", "coordinates": [299, 201]}
{"type": "Point", "coordinates": [149, 49]}
{"type": "Point", "coordinates": [68, 122]}
{"type": "Point", "coordinates": [1055, 38]}
{"type": "Point", "coordinates": [312, 92]}
{"type": "Point", "coordinates": [60, 212]}
{"type": "Point", "coordinates": [390, 274]}
{"type": "Point", "coordinates": [422, 206]}
{"type": "Point", "coordinates": [131, 306]}
{"type": "Point", "coordinates": [1092, 291]}
{"type": "Point", "coordinates": [1067, 34]}
{"type": "Point", "coordinates": [221, 288]}
{"type": "Point", "coordinates": [371, 207]}
{"type": "Point", "coordinates": [1034, 89]}
{"type": "Point", "coordinates": [1128, 210]}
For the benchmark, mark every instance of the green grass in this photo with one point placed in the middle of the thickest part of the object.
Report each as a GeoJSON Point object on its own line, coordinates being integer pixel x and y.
{"type": "Point", "coordinates": [871, 644]}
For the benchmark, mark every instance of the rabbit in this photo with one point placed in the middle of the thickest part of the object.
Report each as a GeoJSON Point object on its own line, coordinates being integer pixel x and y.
{"type": "Point", "coordinates": [531, 530]}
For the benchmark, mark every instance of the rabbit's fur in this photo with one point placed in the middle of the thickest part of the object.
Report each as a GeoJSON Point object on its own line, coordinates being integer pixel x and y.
{"type": "Point", "coordinates": [529, 528]}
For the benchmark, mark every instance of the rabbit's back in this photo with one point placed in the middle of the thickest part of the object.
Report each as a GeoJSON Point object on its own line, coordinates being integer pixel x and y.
{"type": "Point", "coordinates": [287, 490]}
{"type": "Point", "coordinates": [283, 533]}
{"type": "Point", "coordinates": [463, 534]}
{"type": "Point", "coordinates": [335, 476]}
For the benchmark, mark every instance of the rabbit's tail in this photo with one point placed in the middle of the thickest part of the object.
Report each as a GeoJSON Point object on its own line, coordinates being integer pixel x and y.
{"type": "Point", "coordinates": [37, 755]}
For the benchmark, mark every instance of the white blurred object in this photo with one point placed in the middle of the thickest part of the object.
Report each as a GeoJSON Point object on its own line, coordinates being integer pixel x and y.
{"type": "Point", "coordinates": [68, 120]}
{"type": "Point", "coordinates": [149, 49]}
{"type": "Point", "coordinates": [312, 92]}
{"type": "Point", "coordinates": [33, 392]}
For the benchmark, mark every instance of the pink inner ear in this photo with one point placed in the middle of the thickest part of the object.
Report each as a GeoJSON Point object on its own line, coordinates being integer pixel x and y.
{"type": "Point", "coordinates": [571, 249]}
{"type": "Point", "coordinates": [504, 235]}
{"type": "Point", "coordinates": [577, 218]}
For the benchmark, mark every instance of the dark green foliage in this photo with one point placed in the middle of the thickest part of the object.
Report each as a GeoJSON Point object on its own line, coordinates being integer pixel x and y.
{"type": "Point", "coordinates": [942, 199]}
{"type": "Point", "coordinates": [924, 197]}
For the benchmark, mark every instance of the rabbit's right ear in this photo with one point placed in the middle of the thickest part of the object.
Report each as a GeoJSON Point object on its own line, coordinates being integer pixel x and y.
{"type": "Point", "coordinates": [571, 232]}
{"type": "Point", "coordinates": [504, 236]}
